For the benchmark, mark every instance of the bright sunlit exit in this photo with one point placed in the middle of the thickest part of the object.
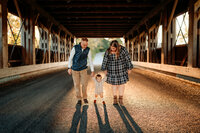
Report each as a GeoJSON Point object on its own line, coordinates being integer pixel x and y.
{"type": "Point", "coordinates": [98, 47]}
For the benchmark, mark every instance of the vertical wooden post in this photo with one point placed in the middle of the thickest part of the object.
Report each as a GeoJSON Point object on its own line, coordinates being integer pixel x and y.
{"type": "Point", "coordinates": [173, 38]}
{"type": "Point", "coordinates": [32, 39]}
{"type": "Point", "coordinates": [28, 41]}
{"type": "Point", "coordinates": [127, 46]}
{"type": "Point", "coordinates": [197, 30]}
{"type": "Point", "coordinates": [49, 45]}
{"type": "Point", "coordinates": [65, 48]}
{"type": "Point", "coordinates": [132, 47]}
{"type": "Point", "coordinates": [148, 46]}
{"type": "Point", "coordinates": [153, 46]}
{"type": "Point", "coordinates": [169, 44]}
{"type": "Point", "coordinates": [192, 48]}
{"type": "Point", "coordinates": [164, 39]}
{"type": "Point", "coordinates": [3, 34]}
{"type": "Point", "coordinates": [59, 46]}
{"type": "Point", "coordinates": [139, 49]}
{"type": "Point", "coordinates": [70, 44]}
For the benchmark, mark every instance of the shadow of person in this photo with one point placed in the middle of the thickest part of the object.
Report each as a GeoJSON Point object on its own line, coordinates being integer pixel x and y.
{"type": "Point", "coordinates": [83, 124]}
{"type": "Point", "coordinates": [123, 113]}
{"type": "Point", "coordinates": [82, 117]}
{"type": "Point", "coordinates": [104, 128]}
{"type": "Point", "coordinates": [76, 119]}
{"type": "Point", "coordinates": [134, 124]}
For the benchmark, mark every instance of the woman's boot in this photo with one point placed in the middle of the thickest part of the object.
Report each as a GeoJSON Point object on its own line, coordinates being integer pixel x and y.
{"type": "Point", "coordinates": [121, 100]}
{"type": "Point", "coordinates": [115, 100]}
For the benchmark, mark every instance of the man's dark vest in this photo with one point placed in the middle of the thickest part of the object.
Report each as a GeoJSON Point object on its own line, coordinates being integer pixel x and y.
{"type": "Point", "coordinates": [80, 58]}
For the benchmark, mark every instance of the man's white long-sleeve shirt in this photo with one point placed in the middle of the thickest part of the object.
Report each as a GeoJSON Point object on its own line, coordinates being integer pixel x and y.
{"type": "Point", "coordinates": [72, 53]}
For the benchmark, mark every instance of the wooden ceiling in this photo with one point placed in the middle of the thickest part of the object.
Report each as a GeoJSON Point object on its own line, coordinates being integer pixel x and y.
{"type": "Point", "coordinates": [105, 18]}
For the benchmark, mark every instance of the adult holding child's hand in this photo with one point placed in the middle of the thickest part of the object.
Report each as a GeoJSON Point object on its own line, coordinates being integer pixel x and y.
{"type": "Point", "coordinates": [117, 65]}
{"type": "Point", "coordinates": [77, 67]}
{"type": "Point", "coordinates": [70, 71]}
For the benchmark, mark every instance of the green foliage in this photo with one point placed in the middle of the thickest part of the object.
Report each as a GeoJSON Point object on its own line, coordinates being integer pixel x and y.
{"type": "Point", "coordinates": [15, 26]}
{"type": "Point", "coordinates": [98, 44]}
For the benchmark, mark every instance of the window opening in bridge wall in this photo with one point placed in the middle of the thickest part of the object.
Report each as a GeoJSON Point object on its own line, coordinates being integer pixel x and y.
{"type": "Point", "coordinates": [130, 48]}
{"type": "Point", "coordinates": [135, 56]}
{"type": "Point", "coordinates": [14, 29]}
{"type": "Point", "coordinates": [67, 48]}
{"type": "Point", "coordinates": [159, 37]}
{"type": "Point", "coordinates": [37, 37]}
{"type": "Point", "coordinates": [62, 49]}
{"type": "Point", "coordinates": [41, 45]}
{"type": "Point", "coordinates": [146, 42]}
{"type": "Point", "coordinates": [43, 39]}
{"type": "Point", "coordinates": [14, 34]}
{"type": "Point", "coordinates": [54, 43]}
{"type": "Point", "coordinates": [182, 25]}
{"type": "Point", "coordinates": [143, 53]}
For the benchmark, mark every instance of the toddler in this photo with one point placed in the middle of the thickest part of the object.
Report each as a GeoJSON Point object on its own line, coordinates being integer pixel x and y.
{"type": "Point", "coordinates": [99, 87]}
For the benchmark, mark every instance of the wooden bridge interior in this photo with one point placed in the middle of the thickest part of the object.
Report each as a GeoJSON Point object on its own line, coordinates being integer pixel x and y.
{"type": "Point", "coordinates": [37, 94]}
{"type": "Point", "coordinates": [60, 22]}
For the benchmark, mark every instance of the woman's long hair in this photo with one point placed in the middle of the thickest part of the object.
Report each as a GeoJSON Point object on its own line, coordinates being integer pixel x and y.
{"type": "Point", "coordinates": [115, 44]}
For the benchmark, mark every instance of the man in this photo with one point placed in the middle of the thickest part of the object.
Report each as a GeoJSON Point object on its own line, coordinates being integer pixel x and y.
{"type": "Point", "coordinates": [77, 66]}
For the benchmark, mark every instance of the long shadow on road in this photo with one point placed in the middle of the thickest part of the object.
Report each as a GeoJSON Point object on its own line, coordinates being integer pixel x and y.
{"type": "Point", "coordinates": [104, 128]}
{"type": "Point", "coordinates": [124, 115]}
{"type": "Point", "coordinates": [79, 117]}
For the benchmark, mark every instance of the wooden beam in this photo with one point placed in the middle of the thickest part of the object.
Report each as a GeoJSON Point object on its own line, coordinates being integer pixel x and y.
{"type": "Point", "coordinates": [70, 46]}
{"type": "Point", "coordinates": [28, 38]}
{"type": "Point", "coordinates": [3, 34]}
{"type": "Point", "coordinates": [139, 51]}
{"type": "Point", "coordinates": [172, 14]}
{"type": "Point", "coordinates": [151, 14]}
{"type": "Point", "coordinates": [59, 39]}
{"type": "Point", "coordinates": [173, 41]}
{"type": "Point", "coordinates": [99, 27]}
{"type": "Point", "coordinates": [99, 11]}
{"type": "Point", "coordinates": [164, 39]}
{"type": "Point", "coordinates": [101, 20]}
{"type": "Point", "coordinates": [18, 71]}
{"type": "Point", "coordinates": [100, 16]}
{"type": "Point", "coordinates": [65, 48]}
{"type": "Point", "coordinates": [44, 13]}
{"type": "Point", "coordinates": [54, 5]}
{"type": "Point", "coordinates": [169, 45]}
{"type": "Point", "coordinates": [18, 10]}
{"type": "Point", "coordinates": [36, 18]}
{"type": "Point", "coordinates": [132, 47]}
{"type": "Point", "coordinates": [148, 46]}
{"type": "Point", "coordinates": [99, 24]}
{"type": "Point", "coordinates": [49, 45]}
{"type": "Point", "coordinates": [187, 71]}
{"type": "Point", "coordinates": [152, 28]}
{"type": "Point", "coordinates": [192, 41]}
{"type": "Point", "coordinates": [197, 30]}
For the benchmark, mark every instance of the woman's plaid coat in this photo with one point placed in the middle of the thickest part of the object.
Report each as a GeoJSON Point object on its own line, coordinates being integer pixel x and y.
{"type": "Point", "coordinates": [117, 68]}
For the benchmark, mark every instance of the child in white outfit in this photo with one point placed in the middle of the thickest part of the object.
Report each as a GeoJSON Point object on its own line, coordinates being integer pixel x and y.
{"type": "Point", "coordinates": [99, 86]}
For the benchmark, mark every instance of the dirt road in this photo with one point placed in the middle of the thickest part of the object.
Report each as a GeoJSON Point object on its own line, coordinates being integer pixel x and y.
{"type": "Point", "coordinates": [153, 103]}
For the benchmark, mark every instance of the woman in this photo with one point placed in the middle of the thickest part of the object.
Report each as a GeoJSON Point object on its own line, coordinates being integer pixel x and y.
{"type": "Point", "coordinates": [117, 65]}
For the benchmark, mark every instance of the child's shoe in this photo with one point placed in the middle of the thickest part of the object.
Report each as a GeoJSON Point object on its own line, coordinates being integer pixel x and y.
{"type": "Point", "coordinates": [95, 101]}
{"type": "Point", "coordinates": [103, 102]}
